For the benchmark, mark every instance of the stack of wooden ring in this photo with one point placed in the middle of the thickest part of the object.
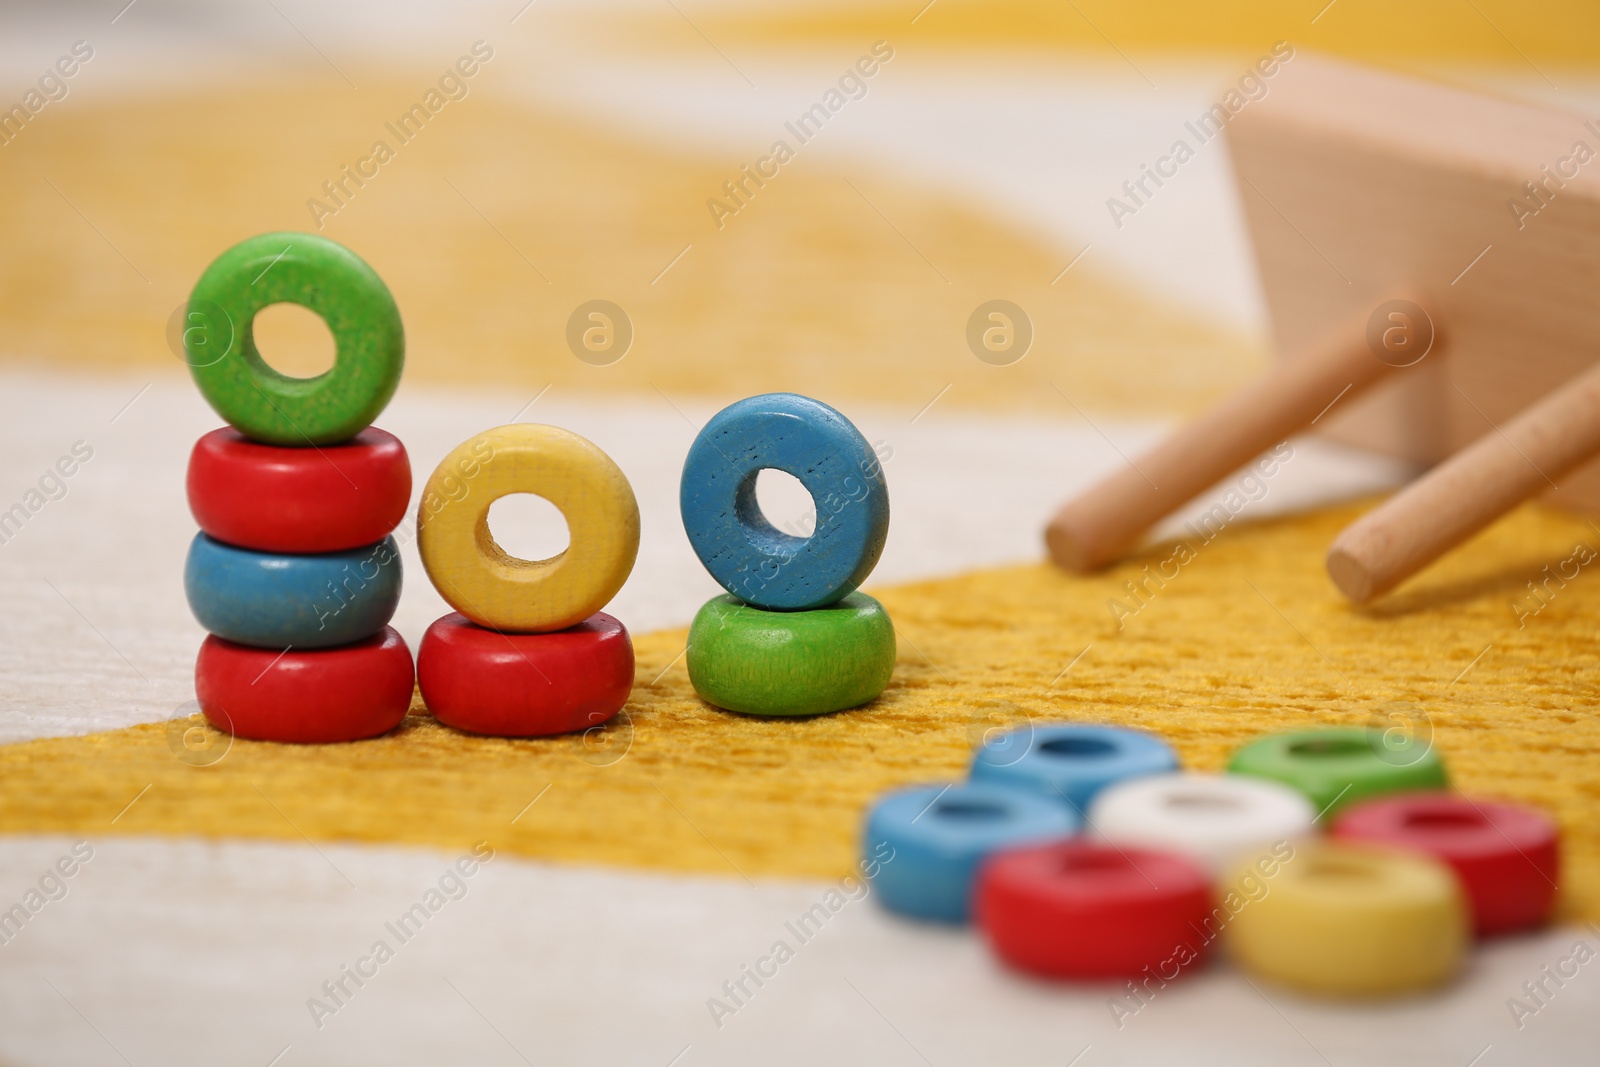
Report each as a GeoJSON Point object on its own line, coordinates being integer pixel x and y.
{"type": "Point", "coordinates": [793, 637]}
{"type": "Point", "coordinates": [294, 572]}
{"type": "Point", "coordinates": [527, 652]}
{"type": "Point", "coordinates": [1170, 861]}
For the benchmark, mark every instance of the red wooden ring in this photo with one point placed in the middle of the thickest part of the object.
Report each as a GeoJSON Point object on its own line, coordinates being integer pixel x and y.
{"type": "Point", "coordinates": [312, 697]}
{"type": "Point", "coordinates": [1080, 910]}
{"type": "Point", "coordinates": [525, 685]}
{"type": "Point", "coordinates": [1506, 856]}
{"type": "Point", "coordinates": [304, 500]}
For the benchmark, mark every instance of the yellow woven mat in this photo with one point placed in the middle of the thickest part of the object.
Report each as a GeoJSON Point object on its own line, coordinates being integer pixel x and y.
{"type": "Point", "coordinates": [1412, 34]}
{"type": "Point", "coordinates": [497, 220]}
{"type": "Point", "coordinates": [1249, 637]}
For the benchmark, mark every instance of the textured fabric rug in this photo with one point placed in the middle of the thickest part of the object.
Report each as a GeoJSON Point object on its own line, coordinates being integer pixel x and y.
{"type": "Point", "coordinates": [1248, 637]}
{"type": "Point", "coordinates": [660, 857]}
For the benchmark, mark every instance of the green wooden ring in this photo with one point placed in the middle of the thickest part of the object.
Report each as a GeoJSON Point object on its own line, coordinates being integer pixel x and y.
{"type": "Point", "coordinates": [329, 279]}
{"type": "Point", "coordinates": [791, 662]}
{"type": "Point", "coordinates": [1339, 766]}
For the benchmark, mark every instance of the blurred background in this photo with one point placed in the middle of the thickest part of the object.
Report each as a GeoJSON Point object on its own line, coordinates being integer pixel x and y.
{"type": "Point", "coordinates": [577, 163]}
{"type": "Point", "coordinates": [601, 151]}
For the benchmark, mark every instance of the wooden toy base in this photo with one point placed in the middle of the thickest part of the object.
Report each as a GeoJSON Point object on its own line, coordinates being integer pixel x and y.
{"type": "Point", "coordinates": [1441, 176]}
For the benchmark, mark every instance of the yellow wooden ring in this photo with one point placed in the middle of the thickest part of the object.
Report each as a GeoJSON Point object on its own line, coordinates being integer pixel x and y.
{"type": "Point", "coordinates": [478, 578]}
{"type": "Point", "coordinates": [1350, 920]}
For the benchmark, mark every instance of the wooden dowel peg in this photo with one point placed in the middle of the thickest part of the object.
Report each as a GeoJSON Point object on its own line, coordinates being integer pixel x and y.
{"type": "Point", "coordinates": [1468, 491]}
{"type": "Point", "coordinates": [1108, 519]}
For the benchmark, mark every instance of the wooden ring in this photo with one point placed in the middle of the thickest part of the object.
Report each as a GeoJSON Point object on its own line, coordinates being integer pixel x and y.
{"type": "Point", "coordinates": [301, 500]}
{"type": "Point", "coordinates": [525, 685]}
{"type": "Point", "coordinates": [1082, 910]}
{"type": "Point", "coordinates": [281, 600]}
{"type": "Point", "coordinates": [742, 550]}
{"type": "Point", "coordinates": [1350, 920]}
{"type": "Point", "coordinates": [1070, 762]}
{"type": "Point", "coordinates": [1339, 765]}
{"type": "Point", "coordinates": [327, 278]}
{"type": "Point", "coordinates": [314, 697]}
{"type": "Point", "coordinates": [940, 835]}
{"type": "Point", "coordinates": [1217, 820]}
{"type": "Point", "coordinates": [494, 589]}
{"type": "Point", "coordinates": [791, 662]}
{"type": "Point", "coordinates": [1508, 857]}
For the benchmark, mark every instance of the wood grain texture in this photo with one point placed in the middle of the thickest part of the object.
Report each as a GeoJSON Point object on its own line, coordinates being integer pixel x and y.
{"type": "Point", "coordinates": [1532, 453]}
{"type": "Point", "coordinates": [497, 590]}
{"type": "Point", "coordinates": [748, 556]}
{"type": "Point", "coordinates": [218, 339]}
{"type": "Point", "coordinates": [279, 599]}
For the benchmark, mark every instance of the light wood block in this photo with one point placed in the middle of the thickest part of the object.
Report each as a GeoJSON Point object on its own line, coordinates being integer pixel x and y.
{"type": "Point", "coordinates": [1361, 187]}
{"type": "Point", "coordinates": [1357, 184]}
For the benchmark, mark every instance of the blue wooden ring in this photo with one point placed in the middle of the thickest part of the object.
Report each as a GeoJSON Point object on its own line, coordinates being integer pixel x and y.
{"type": "Point", "coordinates": [1070, 763]}
{"type": "Point", "coordinates": [930, 840]}
{"type": "Point", "coordinates": [745, 553]}
{"type": "Point", "coordinates": [275, 600]}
